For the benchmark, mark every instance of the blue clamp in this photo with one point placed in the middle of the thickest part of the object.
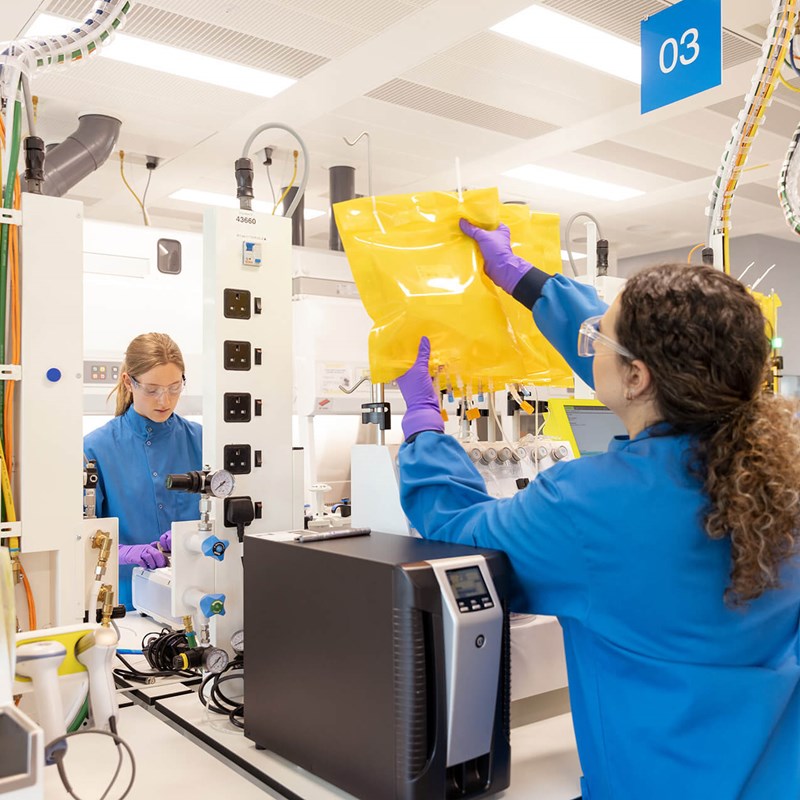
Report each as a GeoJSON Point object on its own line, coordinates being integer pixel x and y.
{"type": "Point", "coordinates": [215, 548]}
{"type": "Point", "coordinates": [212, 604]}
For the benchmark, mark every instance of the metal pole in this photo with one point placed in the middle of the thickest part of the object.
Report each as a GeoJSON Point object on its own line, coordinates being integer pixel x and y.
{"type": "Point", "coordinates": [380, 398]}
{"type": "Point", "coordinates": [298, 221]}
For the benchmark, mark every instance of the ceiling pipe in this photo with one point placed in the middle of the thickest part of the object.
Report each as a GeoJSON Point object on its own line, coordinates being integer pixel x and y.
{"type": "Point", "coordinates": [342, 186]}
{"type": "Point", "coordinates": [80, 154]}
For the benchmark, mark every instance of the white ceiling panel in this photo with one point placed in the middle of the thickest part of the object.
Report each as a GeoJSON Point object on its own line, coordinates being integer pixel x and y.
{"type": "Point", "coordinates": [471, 112]}
{"type": "Point", "coordinates": [147, 99]}
{"type": "Point", "coordinates": [416, 131]}
{"type": "Point", "coordinates": [506, 57]}
{"type": "Point", "coordinates": [328, 34]}
{"type": "Point", "coordinates": [759, 193]}
{"type": "Point", "coordinates": [176, 30]}
{"type": "Point", "coordinates": [608, 171]}
{"type": "Point", "coordinates": [623, 18]}
{"type": "Point", "coordinates": [645, 161]}
{"type": "Point", "coordinates": [450, 88]}
{"type": "Point", "coordinates": [673, 140]}
{"type": "Point", "coordinates": [512, 91]}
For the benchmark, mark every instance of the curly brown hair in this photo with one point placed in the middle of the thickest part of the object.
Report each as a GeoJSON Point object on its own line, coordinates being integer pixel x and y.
{"type": "Point", "coordinates": [703, 338]}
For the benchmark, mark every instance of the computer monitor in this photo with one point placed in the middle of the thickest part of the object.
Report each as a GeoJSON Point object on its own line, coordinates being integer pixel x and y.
{"type": "Point", "coordinates": [587, 424]}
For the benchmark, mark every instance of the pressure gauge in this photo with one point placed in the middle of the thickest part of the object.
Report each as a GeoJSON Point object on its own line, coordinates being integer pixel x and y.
{"type": "Point", "coordinates": [221, 483]}
{"type": "Point", "coordinates": [237, 642]}
{"type": "Point", "coordinates": [215, 659]}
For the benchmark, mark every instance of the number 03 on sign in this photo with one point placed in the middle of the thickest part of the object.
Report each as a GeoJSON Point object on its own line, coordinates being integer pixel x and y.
{"type": "Point", "coordinates": [681, 52]}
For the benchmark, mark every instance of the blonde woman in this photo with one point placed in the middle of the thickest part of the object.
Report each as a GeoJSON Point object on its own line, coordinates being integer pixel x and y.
{"type": "Point", "coordinates": [137, 449]}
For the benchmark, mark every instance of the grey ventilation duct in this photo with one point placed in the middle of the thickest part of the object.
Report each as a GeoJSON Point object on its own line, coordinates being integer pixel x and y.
{"type": "Point", "coordinates": [80, 154]}
{"type": "Point", "coordinates": [342, 186]}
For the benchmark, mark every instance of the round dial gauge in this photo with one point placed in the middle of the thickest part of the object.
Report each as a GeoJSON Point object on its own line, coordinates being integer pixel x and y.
{"type": "Point", "coordinates": [237, 642]}
{"type": "Point", "coordinates": [221, 483]}
{"type": "Point", "coordinates": [215, 660]}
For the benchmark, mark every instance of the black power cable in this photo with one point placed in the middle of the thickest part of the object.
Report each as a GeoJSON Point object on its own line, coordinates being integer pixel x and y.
{"type": "Point", "coordinates": [120, 743]}
{"type": "Point", "coordinates": [217, 701]}
{"type": "Point", "coordinates": [159, 649]}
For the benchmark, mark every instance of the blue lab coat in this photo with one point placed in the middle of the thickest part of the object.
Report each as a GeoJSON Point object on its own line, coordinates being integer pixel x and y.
{"type": "Point", "coordinates": [673, 694]}
{"type": "Point", "coordinates": [134, 455]}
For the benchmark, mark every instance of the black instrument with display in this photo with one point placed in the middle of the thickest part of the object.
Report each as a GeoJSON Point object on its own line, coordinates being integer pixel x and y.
{"type": "Point", "coordinates": [380, 663]}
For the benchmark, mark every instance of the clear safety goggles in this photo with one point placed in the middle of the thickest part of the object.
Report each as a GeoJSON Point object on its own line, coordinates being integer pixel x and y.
{"type": "Point", "coordinates": [589, 335]}
{"type": "Point", "coordinates": [150, 390]}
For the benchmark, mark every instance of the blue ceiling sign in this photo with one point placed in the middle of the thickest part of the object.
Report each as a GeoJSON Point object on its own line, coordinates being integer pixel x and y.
{"type": "Point", "coordinates": [681, 52]}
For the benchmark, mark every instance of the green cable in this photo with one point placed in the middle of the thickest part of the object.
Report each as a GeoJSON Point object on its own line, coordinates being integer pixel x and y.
{"type": "Point", "coordinates": [92, 46]}
{"type": "Point", "coordinates": [81, 716]}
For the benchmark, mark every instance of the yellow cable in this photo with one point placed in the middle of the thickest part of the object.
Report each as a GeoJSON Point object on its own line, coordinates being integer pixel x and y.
{"type": "Point", "coordinates": [130, 188]}
{"type": "Point", "coordinates": [291, 183]}
{"type": "Point", "coordinates": [7, 495]}
{"type": "Point", "coordinates": [787, 84]}
{"type": "Point", "coordinates": [726, 253]}
{"type": "Point", "coordinates": [693, 250]}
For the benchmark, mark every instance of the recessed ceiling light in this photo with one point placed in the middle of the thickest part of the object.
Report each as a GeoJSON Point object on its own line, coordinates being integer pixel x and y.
{"type": "Point", "coordinates": [229, 201]}
{"type": "Point", "coordinates": [183, 63]}
{"type": "Point", "coordinates": [569, 38]}
{"type": "Point", "coordinates": [569, 182]}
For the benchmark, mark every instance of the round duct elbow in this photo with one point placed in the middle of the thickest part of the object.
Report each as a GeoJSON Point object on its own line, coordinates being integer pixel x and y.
{"type": "Point", "coordinates": [80, 154]}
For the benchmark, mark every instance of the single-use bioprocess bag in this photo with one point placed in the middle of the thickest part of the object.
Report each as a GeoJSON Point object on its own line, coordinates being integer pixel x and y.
{"type": "Point", "coordinates": [418, 274]}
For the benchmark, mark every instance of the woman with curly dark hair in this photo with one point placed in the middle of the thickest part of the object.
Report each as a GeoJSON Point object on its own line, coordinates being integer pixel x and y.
{"type": "Point", "coordinates": [673, 560]}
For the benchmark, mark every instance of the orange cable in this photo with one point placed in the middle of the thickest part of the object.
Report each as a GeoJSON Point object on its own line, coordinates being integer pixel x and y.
{"type": "Point", "coordinates": [692, 252]}
{"type": "Point", "coordinates": [10, 386]}
{"type": "Point", "coordinates": [29, 596]}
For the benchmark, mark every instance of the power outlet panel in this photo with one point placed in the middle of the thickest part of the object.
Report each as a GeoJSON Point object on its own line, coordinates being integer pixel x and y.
{"type": "Point", "coordinates": [237, 458]}
{"type": "Point", "coordinates": [236, 355]}
{"type": "Point", "coordinates": [236, 406]}
{"type": "Point", "coordinates": [236, 303]}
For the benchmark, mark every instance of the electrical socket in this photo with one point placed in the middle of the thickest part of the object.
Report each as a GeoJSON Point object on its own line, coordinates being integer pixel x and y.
{"type": "Point", "coordinates": [266, 156]}
{"type": "Point", "coordinates": [225, 509]}
{"type": "Point", "coordinates": [237, 458]}
{"type": "Point", "coordinates": [152, 162]}
{"type": "Point", "coordinates": [236, 407]}
{"type": "Point", "coordinates": [236, 303]}
{"type": "Point", "coordinates": [236, 355]}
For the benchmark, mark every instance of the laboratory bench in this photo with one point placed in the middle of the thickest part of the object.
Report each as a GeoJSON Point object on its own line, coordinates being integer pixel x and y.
{"type": "Point", "coordinates": [182, 747]}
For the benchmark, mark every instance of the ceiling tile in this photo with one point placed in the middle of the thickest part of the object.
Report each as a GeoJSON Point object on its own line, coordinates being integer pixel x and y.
{"type": "Point", "coordinates": [444, 104]}
{"type": "Point", "coordinates": [623, 18]}
{"type": "Point", "coordinates": [759, 193]}
{"type": "Point", "coordinates": [780, 118]}
{"type": "Point", "coordinates": [645, 161]}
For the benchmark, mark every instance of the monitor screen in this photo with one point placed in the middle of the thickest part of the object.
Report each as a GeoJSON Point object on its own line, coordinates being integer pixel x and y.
{"type": "Point", "coordinates": [593, 428]}
{"type": "Point", "coordinates": [467, 582]}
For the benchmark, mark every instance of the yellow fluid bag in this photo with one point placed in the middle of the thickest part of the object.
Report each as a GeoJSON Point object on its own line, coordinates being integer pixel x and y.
{"type": "Point", "coordinates": [418, 274]}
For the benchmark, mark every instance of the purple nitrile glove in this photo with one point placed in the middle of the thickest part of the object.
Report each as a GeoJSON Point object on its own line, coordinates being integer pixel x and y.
{"type": "Point", "coordinates": [502, 267]}
{"type": "Point", "coordinates": [165, 540]}
{"type": "Point", "coordinates": [141, 555]}
{"type": "Point", "coordinates": [416, 386]}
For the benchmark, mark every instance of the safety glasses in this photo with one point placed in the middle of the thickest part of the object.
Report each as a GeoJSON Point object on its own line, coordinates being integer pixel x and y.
{"type": "Point", "coordinates": [149, 390]}
{"type": "Point", "coordinates": [589, 336]}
